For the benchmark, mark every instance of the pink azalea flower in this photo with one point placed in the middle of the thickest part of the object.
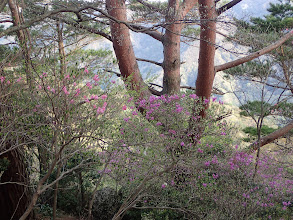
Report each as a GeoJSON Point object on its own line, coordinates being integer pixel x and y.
{"type": "Point", "coordinates": [124, 107]}
{"type": "Point", "coordinates": [96, 78]}
{"type": "Point", "coordinates": [77, 92]}
{"type": "Point", "coordinates": [207, 163]}
{"type": "Point", "coordinates": [193, 96]}
{"type": "Point", "coordinates": [65, 90]}
{"type": "Point", "coordinates": [86, 70]}
{"type": "Point", "coordinates": [130, 99]}
{"type": "Point", "coordinates": [100, 110]}
{"type": "Point", "coordinates": [89, 85]}
{"type": "Point", "coordinates": [103, 97]}
{"type": "Point", "coordinates": [18, 80]}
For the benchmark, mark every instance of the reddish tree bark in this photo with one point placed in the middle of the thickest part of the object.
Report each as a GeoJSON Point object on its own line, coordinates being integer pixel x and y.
{"type": "Point", "coordinates": [273, 136]}
{"type": "Point", "coordinates": [206, 69]}
{"type": "Point", "coordinates": [171, 43]}
{"type": "Point", "coordinates": [206, 66]}
{"type": "Point", "coordinates": [123, 48]}
{"type": "Point", "coordinates": [255, 54]}
{"type": "Point", "coordinates": [177, 10]}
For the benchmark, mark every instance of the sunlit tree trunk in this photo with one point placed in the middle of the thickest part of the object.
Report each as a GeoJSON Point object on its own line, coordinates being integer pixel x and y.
{"type": "Point", "coordinates": [123, 48]}
{"type": "Point", "coordinates": [206, 67]}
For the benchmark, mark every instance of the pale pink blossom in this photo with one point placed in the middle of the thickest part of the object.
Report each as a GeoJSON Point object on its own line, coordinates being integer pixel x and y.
{"type": "Point", "coordinates": [89, 85]}
{"type": "Point", "coordinates": [19, 79]}
{"type": "Point", "coordinates": [103, 97]}
{"type": "Point", "coordinates": [65, 90]}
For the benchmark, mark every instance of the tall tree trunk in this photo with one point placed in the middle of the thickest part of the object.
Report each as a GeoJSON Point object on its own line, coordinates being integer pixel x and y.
{"type": "Point", "coordinates": [206, 67]}
{"type": "Point", "coordinates": [123, 48]}
{"type": "Point", "coordinates": [171, 44]}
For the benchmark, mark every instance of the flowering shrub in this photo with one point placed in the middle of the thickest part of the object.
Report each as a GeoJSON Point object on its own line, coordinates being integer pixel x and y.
{"type": "Point", "coordinates": [161, 162]}
{"type": "Point", "coordinates": [164, 157]}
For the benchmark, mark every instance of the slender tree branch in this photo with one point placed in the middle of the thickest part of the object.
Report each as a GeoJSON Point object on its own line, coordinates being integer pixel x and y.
{"type": "Point", "coordinates": [271, 137]}
{"type": "Point", "coordinates": [255, 54]}
{"type": "Point", "coordinates": [150, 6]}
{"type": "Point", "coordinates": [84, 27]}
{"type": "Point", "coordinates": [153, 33]}
{"type": "Point", "coordinates": [227, 6]}
{"type": "Point", "coordinates": [214, 91]}
{"type": "Point", "coordinates": [150, 61]}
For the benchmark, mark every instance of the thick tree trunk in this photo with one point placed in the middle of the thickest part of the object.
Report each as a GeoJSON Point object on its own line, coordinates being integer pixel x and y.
{"type": "Point", "coordinates": [171, 43]}
{"type": "Point", "coordinates": [176, 13]}
{"type": "Point", "coordinates": [14, 196]}
{"type": "Point", "coordinates": [124, 50]}
{"type": "Point", "coordinates": [206, 68]}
